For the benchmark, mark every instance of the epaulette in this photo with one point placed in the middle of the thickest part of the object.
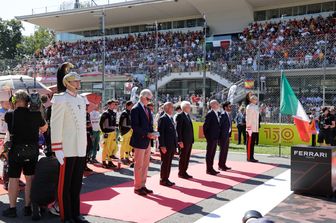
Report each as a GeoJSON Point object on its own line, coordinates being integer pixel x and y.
{"type": "Point", "coordinates": [58, 98]}
{"type": "Point", "coordinates": [59, 94]}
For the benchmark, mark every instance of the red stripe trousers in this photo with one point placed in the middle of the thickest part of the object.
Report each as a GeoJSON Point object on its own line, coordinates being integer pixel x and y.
{"type": "Point", "coordinates": [69, 187]}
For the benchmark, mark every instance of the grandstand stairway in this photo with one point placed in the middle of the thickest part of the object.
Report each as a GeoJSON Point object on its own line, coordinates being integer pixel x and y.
{"type": "Point", "coordinates": [239, 95]}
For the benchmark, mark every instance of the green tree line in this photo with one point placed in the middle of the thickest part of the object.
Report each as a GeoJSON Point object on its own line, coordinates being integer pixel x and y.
{"type": "Point", "coordinates": [13, 45]}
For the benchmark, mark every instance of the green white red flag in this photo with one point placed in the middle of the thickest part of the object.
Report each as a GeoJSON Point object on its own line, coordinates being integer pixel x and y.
{"type": "Point", "coordinates": [290, 105]}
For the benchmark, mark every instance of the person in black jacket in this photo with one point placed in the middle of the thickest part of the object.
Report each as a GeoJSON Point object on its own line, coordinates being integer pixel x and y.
{"type": "Point", "coordinates": [143, 132]}
{"type": "Point", "coordinates": [24, 126]}
{"type": "Point", "coordinates": [167, 143]}
{"type": "Point", "coordinates": [241, 124]}
{"type": "Point", "coordinates": [211, 133]}
{"type": "Point", "coordinates": [126, 132]}
{"type": "Point", "coordinates": [185, 138]}
{"type": "Point", "coordinates": [225, 134]}
{"type": "Point", "coordinates": [108, 123]}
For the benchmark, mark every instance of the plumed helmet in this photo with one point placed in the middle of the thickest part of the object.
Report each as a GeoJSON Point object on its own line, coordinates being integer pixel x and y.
{"type": "Point", "coordinates": [72, 76]}
{"type": "Point", "coordinates": [61, 72]}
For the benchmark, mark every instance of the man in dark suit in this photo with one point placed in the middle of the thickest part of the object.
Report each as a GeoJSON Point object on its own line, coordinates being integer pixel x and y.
{"type": "Point", "coordinates": [142, 125]}
{"type": "Point", "coordinates": [225, 134]}
{"type": "Point", "coordinates": [185, 138]}
{"type": "Point", "coordinates": [167, 143]}
{"type": "Point", "coordinates": [211, 133]}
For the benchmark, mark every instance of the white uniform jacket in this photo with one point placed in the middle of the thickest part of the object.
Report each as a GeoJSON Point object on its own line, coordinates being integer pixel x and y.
{"type": "Point", "coordinates": [252, 118]}
{"type": "Point", "coordinates": [68, 124]}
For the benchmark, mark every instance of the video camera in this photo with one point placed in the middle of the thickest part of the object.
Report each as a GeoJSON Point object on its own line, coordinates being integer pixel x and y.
{"type": "Point", "coordinates": [35, 102]}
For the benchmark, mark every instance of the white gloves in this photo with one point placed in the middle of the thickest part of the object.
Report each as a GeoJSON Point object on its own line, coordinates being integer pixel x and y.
{"type": "Point", "coordinates": [60, 156]}
{"type": "Point", "coordinates": [249, 131]}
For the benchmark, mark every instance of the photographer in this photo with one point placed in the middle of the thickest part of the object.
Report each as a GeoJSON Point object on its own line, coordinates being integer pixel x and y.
{"type": "Point", "coordinates": [326, 125]}
{"type": "Point", "coordinates": [24, 126]}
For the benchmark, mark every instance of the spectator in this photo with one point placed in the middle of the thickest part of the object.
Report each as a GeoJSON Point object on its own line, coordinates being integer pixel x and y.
{"type": "Point", "coordinates": [24, 126]}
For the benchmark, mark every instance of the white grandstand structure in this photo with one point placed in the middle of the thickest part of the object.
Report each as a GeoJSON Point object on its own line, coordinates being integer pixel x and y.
{"type": "Point", "coordinates": [225, 20]}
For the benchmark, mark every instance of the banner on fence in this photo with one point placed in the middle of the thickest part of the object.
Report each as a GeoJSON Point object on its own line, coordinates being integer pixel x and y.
{"type": "Point", "coordinates": [269, 134]}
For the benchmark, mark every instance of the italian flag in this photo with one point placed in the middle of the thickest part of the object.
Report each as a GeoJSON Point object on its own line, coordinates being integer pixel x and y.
{"type": "Point", "coordinates": [290, 105]}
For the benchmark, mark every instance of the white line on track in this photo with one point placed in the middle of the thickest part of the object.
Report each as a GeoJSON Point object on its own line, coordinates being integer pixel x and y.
{"type": "Point", "coordinates": [263, 198]}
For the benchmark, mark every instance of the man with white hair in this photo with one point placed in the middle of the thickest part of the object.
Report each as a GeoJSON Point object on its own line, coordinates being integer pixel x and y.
{"type": "Point", "coordinates": [167, 143]}
{"type": "Point", "coordinates": [142, 126]}
{"type": "Point", "coordinates": [185, 138]}
{"type": "Point", "coordinates": [211, 132]}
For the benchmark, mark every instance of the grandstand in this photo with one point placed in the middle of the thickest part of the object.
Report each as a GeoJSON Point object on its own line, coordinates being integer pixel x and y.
{"type": "Point", "coordinates": [247, 40]}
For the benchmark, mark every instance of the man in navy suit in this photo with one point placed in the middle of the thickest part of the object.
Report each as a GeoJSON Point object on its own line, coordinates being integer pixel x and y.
{"type": "Point", "coordinates": [185, 138]}
{"type": "Point", "coordinates": [224, 137]}
{"type": "Point", "coordinates": [211, 133]}
{"type": "Point", "coordinates": [167, 142]}
{"type": "Point", "coordinates": [142, 125]}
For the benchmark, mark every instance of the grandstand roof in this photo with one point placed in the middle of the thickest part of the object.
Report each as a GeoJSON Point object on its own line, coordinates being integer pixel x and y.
{"type": "Point", "coordinates": [229, 16]}
{"type": "Point", "coordinates": [116, 15]}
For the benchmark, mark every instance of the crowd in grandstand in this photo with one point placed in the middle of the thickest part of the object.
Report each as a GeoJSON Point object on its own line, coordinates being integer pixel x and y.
{"type": "Point", "coordinates": [177, 51]}
{"type": "Point", "coordinates": [288, 44]}
{"type": "Point", "coordinates": [284, 44]}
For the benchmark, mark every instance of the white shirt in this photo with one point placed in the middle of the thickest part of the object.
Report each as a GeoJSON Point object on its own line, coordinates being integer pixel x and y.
{"type": "Point", "coordinates": [95, 118]}
{"type": "Point", "coordinates": [216, 112]}
{"type": "Point", "coordinates": [230, 121]}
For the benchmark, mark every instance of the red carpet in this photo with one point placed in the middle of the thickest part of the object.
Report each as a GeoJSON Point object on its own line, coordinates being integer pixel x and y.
{"type": "Point", "coordinates": [120, 202]}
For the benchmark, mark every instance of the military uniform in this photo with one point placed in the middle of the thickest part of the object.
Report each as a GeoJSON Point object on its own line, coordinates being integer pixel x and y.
{"type": "Point", "coordinates": [126, 133]}
{"type": "Point", "coordinates": [108, 123]}
{"type": "Point", "coordinates": [252, 129]}
{"type": "Point", "coordinates": [68, 134]}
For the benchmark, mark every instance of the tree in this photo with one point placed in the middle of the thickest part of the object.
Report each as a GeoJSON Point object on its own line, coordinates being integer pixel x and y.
{"type": "Point", "coordinates": [33, 44]}
{"type": "Point", "coordinates": [10, 38]}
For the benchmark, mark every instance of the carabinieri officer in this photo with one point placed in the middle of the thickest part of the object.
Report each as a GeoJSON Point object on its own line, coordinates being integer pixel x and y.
{"type": "Point", "coordinates": [68, 141]}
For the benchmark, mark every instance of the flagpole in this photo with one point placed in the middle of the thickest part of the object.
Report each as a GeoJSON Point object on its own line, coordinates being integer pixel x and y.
{"type": "Point", "coordinates": [280, 134]}
{"type": "Point", "coordinates": [280, 120]}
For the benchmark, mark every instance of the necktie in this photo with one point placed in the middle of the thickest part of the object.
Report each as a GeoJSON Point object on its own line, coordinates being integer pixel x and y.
{"type": "Point", "coordinates": [229, 121]}
{"type": "Point", "coordinates": [172, 120]}
{"type": "Point", "coordinates": [188, 117]}
{"type": "Point", "coordinates": [146, 111]}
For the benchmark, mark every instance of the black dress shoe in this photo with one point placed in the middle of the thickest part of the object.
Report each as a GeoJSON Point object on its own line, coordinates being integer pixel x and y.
{"type": "Point", "coordinates": [9, 213]}
{"type": "Point", "coordinates": [148, 191]}
{"type": "Point", "coordinates": [253, 160]}
{"type": "Point", "coordinates": [140, 192]}
{"type": "Point", "coordinates": [80, 219]}
{"type": "Point", "coordinates": [111, 165]}
{"type": "Point", "coordinates": [188, 176]}
{"type": "Point", "coordinates": [183, 176]}
{"type": "Point", "coordinates": [171, 183]}
{"type": "Point", "coordinates": [224, 168]}
{"type": "Point", "coordinates": [27, 211]}
{"type": "Point", "coordinates": [167, 183]}
{"type": "Point", "coordinates": [212, 172]}
{"type": "Point", "coordinates": [164, 183]}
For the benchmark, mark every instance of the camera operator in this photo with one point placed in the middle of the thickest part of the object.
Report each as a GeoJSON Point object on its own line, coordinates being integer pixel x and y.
{"type": "Point", "coordinates": [24, 126]}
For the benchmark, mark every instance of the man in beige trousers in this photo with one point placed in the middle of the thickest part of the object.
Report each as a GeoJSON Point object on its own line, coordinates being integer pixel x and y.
{"type": "Point", "coordinates": [142, 126]}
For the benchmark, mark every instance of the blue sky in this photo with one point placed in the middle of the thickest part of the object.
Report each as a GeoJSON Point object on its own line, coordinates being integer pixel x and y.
{"type": "Point", "coordinates": [11, 8]}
